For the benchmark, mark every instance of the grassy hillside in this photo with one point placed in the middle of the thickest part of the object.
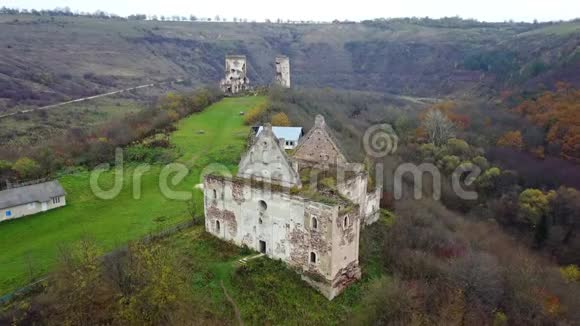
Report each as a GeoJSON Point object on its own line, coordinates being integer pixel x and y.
{"type": "Point", "coordinates": [45, 60]}
{"type": "Point", "coordinates": [31, 244]}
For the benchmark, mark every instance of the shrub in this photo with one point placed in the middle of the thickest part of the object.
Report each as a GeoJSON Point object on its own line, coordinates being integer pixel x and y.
{"type": "Point", "coordinates": [5, 165]}
{"type": "Point", "coordinates": [255, 114]}
{"type": "Point", "coordinates": [571, 273]}
{"type": "Point", "coordinates": [481, 162]}
{"type": "Point", "coordinates": [26, 168]}
{"type": "Point", "coordinates": [142, 154]}
{"type": "Point", "coordinates": [449, 163]}
{"type": "Point", "coordinates": [487, 181]}
{"type": "Point", "coordinates": [280, 119]}
{"type": "Point", "coordinates": [458, 146]}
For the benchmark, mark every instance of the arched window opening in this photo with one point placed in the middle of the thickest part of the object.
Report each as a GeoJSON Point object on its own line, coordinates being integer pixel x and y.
{"type": "Point", "coordinates": [314, 223]}
{"type": "Point", "coordinates": [262, 206]}
{"type": "Point", "coordinates": [217, 226]}
{"type": "Point", "coordinates": [214, 194]}
{"type": "Point", "coordinates": [313, 257]}
{"type": "Point", "coordinates": [346, 221]}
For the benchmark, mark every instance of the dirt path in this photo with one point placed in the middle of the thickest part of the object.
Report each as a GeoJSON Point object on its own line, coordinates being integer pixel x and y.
{"type": "Point", "coordinates": [85, 98]}
{"type": "Point", "coordinates": [233, 303]}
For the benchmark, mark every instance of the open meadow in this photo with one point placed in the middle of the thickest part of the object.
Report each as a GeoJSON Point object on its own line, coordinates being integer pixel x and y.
{"type": "Point", "coordinates": [31, 244]}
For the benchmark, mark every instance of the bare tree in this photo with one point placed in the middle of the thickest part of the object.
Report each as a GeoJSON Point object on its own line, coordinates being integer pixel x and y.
{"type": "Point", "coordinates": [439, 128]}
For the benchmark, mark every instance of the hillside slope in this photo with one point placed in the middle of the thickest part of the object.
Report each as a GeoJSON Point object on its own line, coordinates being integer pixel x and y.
{"type": "Point", "coordinates": [46, 60]}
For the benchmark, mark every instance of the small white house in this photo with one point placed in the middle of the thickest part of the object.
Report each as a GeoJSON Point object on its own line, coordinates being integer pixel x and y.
{"type": "Point", "coordinates": [32, 199]}
{"type": "Point", "coordinates": [291, 135]}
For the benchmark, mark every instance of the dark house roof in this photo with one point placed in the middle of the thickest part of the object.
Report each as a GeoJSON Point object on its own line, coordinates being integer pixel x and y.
{"type": "Point", "coordinates": [40, 192]}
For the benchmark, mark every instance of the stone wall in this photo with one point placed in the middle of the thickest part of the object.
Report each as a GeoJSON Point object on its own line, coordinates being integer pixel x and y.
{"type": "Point", "coordinates": [235, 75]}
{"type": "Point", "coordinates": [266, 160]}
{"type": "Point", "coordinates": [283, 71]}
{"type": "Point", "coordinates": [373, 203]}
{"type": "Point", "coordinates": [308, 235]}
{"type": "Point", "coordinates": [318, 146]}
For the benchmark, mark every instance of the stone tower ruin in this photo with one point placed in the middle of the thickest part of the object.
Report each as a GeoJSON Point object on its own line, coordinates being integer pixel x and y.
{"type": "Point", "coordinates": [283, 71]}
{"type": "Point", "coordinates": [235, 79]}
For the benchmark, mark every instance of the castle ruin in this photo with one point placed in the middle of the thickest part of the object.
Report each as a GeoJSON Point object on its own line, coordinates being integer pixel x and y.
{"type": "Point", "coordinates": [235, 80]}
{"type": "Point", "coordinates": [306, 209]}
{"type": "Point", "coordinates": [283, 71]}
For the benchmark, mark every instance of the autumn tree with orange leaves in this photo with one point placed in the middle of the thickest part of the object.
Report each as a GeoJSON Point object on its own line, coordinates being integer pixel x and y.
{"type": "Point", "coordinates": [557, 112]}
{"type": "Point", "coordinates": [511, 139]}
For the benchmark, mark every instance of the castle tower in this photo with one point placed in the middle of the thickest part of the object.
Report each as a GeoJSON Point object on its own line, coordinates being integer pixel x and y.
{"type": "Point", "coordinates": [283, 71]}
{"type": "Point", "coordinates": [235, 79]}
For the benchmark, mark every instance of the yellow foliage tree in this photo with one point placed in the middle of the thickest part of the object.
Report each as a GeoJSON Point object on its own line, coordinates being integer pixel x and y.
{"type": "Point", "coordinates": [571, 273]}
{"type": "Point", "coordinates": [511, 139]}
{"type": "Point", "coordinates": [280, 119]}
{"type": "Point", "coordinates": [534, 203]}
{"type": "Point", "coordinates": [255, 114]}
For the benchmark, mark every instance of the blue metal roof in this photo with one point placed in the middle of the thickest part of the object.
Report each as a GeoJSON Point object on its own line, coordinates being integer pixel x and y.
{"type": "Point", "coordinates": [288, 133]}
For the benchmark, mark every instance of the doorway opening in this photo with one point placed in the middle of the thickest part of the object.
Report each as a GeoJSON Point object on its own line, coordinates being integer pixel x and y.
{"type": "Point", "coordinates": [263, 246]}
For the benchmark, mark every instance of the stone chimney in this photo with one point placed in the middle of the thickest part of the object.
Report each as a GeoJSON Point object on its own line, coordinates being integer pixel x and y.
{"type": "Point", "coordinates": [268, 128]}
{"type": "Point", "coordinates": [319, 121]}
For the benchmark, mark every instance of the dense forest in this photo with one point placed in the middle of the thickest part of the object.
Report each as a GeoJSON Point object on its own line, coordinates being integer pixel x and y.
{"type": "Point", "coordinates": [456, 253]}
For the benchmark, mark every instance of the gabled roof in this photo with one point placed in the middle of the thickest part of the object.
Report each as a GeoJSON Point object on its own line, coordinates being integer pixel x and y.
{"type": "Point", "coordinates": [266, 160]}
{"type": "Point", "coordinates": [320, 125]}
{"type": "Point", "coordinates": [40, 192]}
{"type": "Point", "coordinates": [287, 133]}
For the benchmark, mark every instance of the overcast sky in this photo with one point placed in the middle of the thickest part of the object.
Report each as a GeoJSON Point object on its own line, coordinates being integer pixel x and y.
{"type": "Point", "coordinates": [325, 10]}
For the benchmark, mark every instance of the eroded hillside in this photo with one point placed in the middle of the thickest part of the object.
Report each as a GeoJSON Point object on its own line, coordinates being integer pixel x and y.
{"type": "Point", "coordinates": [45, 60]}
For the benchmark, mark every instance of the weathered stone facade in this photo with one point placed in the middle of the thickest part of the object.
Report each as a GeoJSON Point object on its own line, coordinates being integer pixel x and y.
{"type": "Point", "coordinates": [235, 80]}
{"type": "Point", "coordinates": [318, 147]}
{"type": "Point", "coordinates": [263, 209]}
{"type": "Point", "coordinates": [267, 160]}
{"type": "Point", "coordinates": [283, 71]}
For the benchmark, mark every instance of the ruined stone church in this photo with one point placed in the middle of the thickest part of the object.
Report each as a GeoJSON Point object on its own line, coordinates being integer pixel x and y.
{"type": "Point", "coordinates": [306, 208]}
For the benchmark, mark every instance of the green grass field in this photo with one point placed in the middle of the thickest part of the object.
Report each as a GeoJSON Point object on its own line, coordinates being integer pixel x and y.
{"type": "Point", "coordinates": [265, 290]}
{"type": "Point", "coordinates": [30, 245]}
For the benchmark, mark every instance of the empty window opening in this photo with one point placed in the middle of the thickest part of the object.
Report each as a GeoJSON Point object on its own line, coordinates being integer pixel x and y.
{"type": "Point", "coordinates": [313, 257]}
{"type": "Point", "coordinates": [217, 226]}
{"type": "Point", "coordinates": [214, 194]}
{"type": "Point", "coordinates": [56, 200]}
{"type": "Point", "coordinates": [263, 246]}
{"type": "Point", "coordinates": [345, 221]}
{"type": "Point", "coordinates": [260, 220]}
{"type": "Point", "coordinates": [262, 206]}
{"type": "Point", "coordinates": [315, 223]}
